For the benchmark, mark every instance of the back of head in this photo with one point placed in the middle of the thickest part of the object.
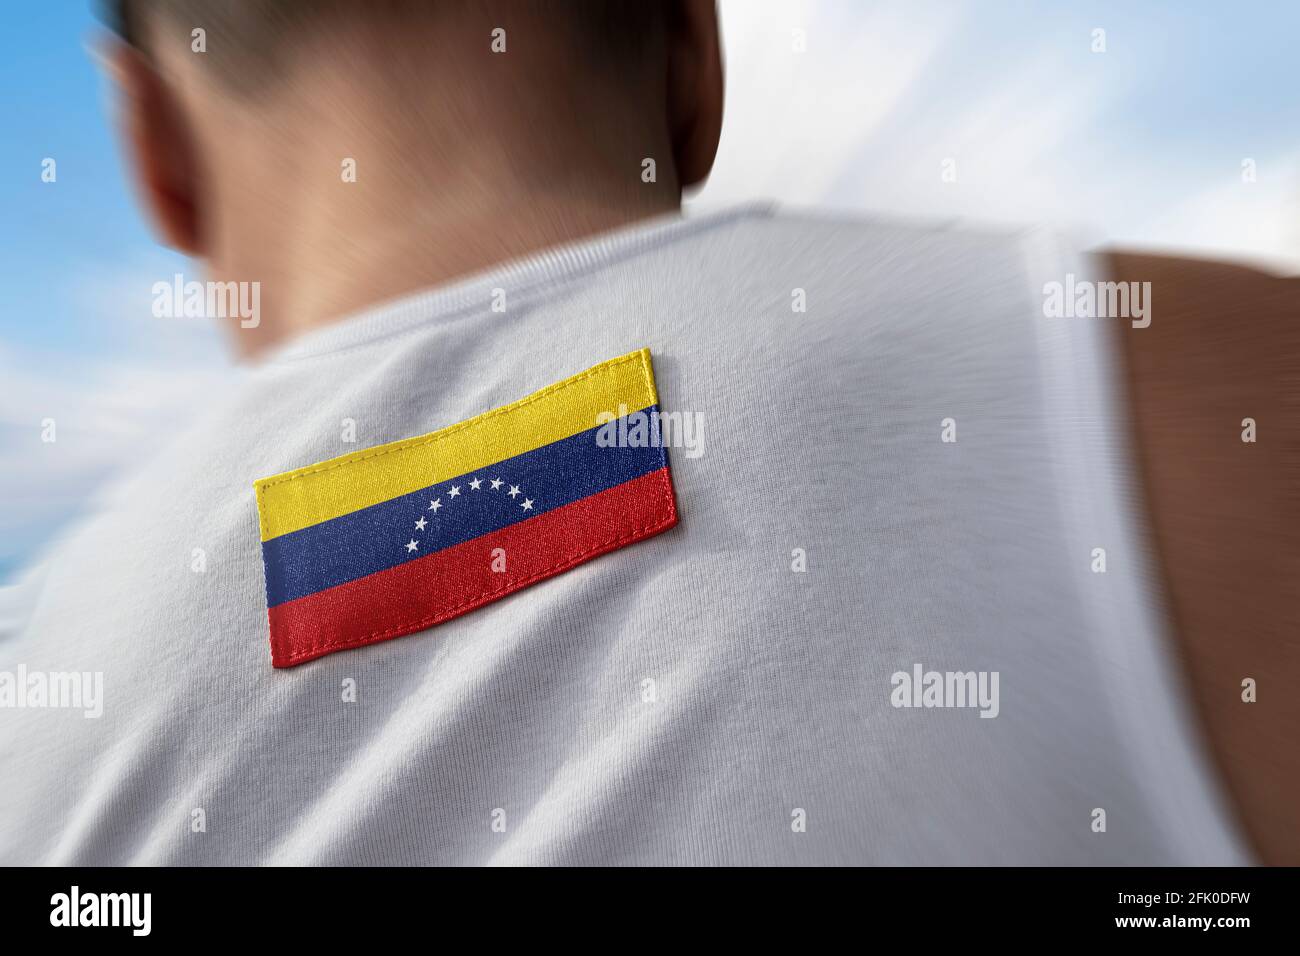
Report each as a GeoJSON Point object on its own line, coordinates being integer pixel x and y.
{"type": "Point", "coordinates": [300, 137]}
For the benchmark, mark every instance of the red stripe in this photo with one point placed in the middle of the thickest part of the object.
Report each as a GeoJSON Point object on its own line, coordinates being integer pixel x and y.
{"type": "Point", "coordinates": [419, 594]}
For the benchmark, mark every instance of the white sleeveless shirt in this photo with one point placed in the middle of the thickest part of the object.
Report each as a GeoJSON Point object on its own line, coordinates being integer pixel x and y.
{"type": "Point", "coordinates": [903, 481]}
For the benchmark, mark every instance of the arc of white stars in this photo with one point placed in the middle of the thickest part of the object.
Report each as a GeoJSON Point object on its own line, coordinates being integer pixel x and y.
{"type": "Point", "coordinates": [475, 484]}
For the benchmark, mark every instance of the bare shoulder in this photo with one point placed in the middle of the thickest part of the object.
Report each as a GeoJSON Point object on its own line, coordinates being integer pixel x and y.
{"type": "Point", "coordinates": [1214, 390]}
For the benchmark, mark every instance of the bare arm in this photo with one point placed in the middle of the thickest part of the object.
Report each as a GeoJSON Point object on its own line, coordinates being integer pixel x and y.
{"type": "Point", "coordinates": [1224, 346]}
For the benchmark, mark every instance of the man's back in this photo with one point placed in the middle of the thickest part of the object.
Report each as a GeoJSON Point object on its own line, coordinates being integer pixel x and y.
{"type": "Point", "coordinates": [899, 466]}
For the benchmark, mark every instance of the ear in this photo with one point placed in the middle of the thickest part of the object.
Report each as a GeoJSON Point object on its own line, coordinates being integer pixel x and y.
{"type": "Point", "coordinates": [694, 88]}
{"type": "Point", "coordinates": [159, 145]}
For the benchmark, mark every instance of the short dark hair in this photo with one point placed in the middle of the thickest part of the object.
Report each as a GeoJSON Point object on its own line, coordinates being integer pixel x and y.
{"type": "Point", "coordinates": [247, 35]}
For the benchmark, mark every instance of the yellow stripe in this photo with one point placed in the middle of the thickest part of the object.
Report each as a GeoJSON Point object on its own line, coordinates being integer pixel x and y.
{"type": "Point", "coordinates": [307, 496]}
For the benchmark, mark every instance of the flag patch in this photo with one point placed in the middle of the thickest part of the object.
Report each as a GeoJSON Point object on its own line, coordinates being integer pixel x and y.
{"type": "Point", "coordinates": [394, 539]}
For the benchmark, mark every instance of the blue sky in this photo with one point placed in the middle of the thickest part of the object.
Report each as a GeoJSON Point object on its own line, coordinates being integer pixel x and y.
{"type": "Point", "coordinates": [54, 106]}
{"type": "Point", "coordinates": [75, 341]}
{"type": "Point", "coordinates": [1140, 145]}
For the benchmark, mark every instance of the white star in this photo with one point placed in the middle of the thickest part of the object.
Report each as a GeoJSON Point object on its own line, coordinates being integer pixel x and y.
{"type": "Point", "coordinates": [514, 491]}
{"type": "Point", "coordinates": [528, 504]}
{"type": "Point", "coordinates": [475, 483]}
{"type": "Point", "coordinates": [434, 505]}
{"type": "Point", "coordinates": [419, 525]}
{"type": "Point", "coordinates": [455, 490]}
{"type": "Point", "coordinates": [411, 545]}
{"type": "Point", "coordinates": [496, 483]}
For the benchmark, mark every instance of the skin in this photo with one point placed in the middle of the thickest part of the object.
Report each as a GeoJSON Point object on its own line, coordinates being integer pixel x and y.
{"type": "Point", "coordinates": [447, 184]}
{"type": "Point", "coordinates": [490, 170]}
{"type": "Point", "coordinates": [1224, 345]}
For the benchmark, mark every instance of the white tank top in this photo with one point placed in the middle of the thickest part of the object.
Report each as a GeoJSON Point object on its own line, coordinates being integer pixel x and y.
{"type": "Point", "coordinates": [880, 632]}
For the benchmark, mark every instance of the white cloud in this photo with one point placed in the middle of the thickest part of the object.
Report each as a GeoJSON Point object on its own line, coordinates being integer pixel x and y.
{"type": "Point", "coordinates": [109, 408]}
{"type": "Point", "coordinates": [794, 121]}
{"type": "Point", "coordinates": [1258, 221]}
{"type": "Point", "coordinates": [862, 120]}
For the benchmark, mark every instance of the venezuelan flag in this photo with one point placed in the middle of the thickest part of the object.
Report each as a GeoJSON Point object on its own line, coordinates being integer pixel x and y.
{"type": "Point", "coordinates": [397, 538]}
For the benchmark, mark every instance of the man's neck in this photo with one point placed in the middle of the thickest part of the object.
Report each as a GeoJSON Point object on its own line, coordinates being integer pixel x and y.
{"type": "Point", "coordinates": [337, 263]}
{"type": "Point", "coordinates": [440, 187]}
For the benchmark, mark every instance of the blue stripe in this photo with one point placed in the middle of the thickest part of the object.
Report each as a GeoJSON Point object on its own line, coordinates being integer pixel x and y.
{"type": "Point", "coordinates": [375, 538]}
